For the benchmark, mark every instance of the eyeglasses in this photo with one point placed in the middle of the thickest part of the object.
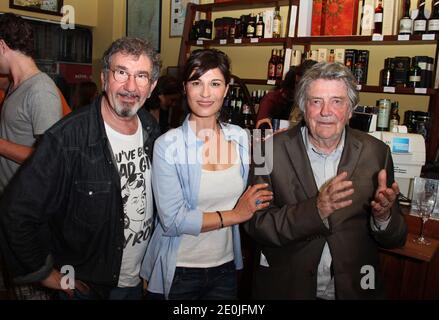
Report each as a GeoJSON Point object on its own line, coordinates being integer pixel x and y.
{"type": "Point", "coordinates": [121, 76]}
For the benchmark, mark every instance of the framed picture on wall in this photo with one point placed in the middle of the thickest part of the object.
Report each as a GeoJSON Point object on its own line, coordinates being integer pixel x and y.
{"type": "Point", "coordinates": [178, 14]}
{"type": "Point", "coordinates": [41, 6]}
{"type": "Point", "coordinates": [144, 20]}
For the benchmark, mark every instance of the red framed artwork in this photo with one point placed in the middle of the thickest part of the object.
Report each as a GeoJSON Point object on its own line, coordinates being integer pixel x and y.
{"type": "Point", "coordinates": [337, 17]}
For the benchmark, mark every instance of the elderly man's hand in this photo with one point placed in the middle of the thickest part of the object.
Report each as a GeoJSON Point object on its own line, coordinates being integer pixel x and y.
{"type": "Point", "coordinates": [333, 195]}
{"type": "Point", "coordinates": [384, 197]}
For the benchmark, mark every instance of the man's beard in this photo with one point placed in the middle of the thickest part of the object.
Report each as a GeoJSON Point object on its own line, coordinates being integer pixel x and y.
{"type": "Point", "coordinates": [126, 111]}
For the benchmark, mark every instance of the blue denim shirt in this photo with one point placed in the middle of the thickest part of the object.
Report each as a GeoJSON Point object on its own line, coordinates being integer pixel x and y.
{"type": "Point", "coordinates": [176, 174]}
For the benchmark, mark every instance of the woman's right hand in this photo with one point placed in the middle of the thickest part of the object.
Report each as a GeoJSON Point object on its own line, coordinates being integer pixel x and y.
{"type": "Point", "coordinates": [255, 198]}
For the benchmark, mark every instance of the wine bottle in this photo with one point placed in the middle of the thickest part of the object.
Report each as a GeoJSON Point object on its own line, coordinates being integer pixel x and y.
{"type": "Point", "coordinates": [378, 18]}
{"type": "Point", "coordinates": [280, 66]}
{"type": "Point", "coordinates": [387, 74]}
{"type": "Point", "coordinates": [420, 22]}
{"type": "Point", "coordinates": [271, 72]}
{"type": "Point", "coordinates": [260, 26]}
{"type": "Point", "coordinates": [414, 75]}
{"type": "Point", "coordinates": [406, 22]}
{"type": "Point", "coordinates": [433, 22]}
{"type": "Point", "coordinates": [277, 23]}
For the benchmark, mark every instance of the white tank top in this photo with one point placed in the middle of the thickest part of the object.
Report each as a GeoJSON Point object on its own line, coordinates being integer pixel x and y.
{"type": "Point", "coordinates": [219, 190]}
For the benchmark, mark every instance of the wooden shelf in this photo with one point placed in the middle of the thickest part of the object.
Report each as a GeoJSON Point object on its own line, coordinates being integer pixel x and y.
{"type": "Point", "coordinates": [366, 40]}
{"type": "Point", "coordinates": [244, 42]}
{"type": "Point", "coordinates": [398, 90]}
{"type": "Point", "coordinates": [416, 251]}
{"type": "Point", "coordinates": [243, 4]}
{"type": "Point", "coordinates": [262, 82]}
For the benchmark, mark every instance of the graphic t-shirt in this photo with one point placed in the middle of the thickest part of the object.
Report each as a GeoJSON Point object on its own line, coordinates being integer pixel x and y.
{"type": "Point", "coordinates": [135, 180]}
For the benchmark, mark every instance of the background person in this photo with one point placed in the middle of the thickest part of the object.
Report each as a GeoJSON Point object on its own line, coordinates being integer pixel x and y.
{"type": "Point", "coordinates": [166, 97]}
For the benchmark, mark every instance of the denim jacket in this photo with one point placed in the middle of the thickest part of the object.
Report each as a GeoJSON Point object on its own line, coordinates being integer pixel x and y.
{"type": "Point", "coordinates": [176, 183]}
{"type": "Point", "coordinates": [64, 206]}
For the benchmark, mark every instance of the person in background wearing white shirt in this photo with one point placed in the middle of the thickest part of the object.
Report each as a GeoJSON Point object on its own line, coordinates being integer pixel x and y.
{"type": "Point", "coordinates": [335, 200]}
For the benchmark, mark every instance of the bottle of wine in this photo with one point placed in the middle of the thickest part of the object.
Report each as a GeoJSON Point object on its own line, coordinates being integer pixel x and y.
{"type": "Point", "coordinates": [260, 26]}
{"type": "Point", "coordinates": [420, 22]}
{"type": "Point", "coordinates": [277, 23]}
{"type": "Point", "coordinates": [378, 18]}
{"type": "Point", "coordinates": [414, 75]}
{"type": "Point", "coordinates": [359, 70]}
{"type": "Point", "coordinates": [251, 27]}
{"type": "Point", "coordinates": [406, 22]}
{"type": "Point", "coordinates": [280, 66]}
{"type": "Point", "coordinates": [271, 72]}
{"type": "Point", "coordinates": [433, 22]}
{"type": "Point", "coordinates": [394, 117]}
{"type": "Point", "coordinates": [387, 74]}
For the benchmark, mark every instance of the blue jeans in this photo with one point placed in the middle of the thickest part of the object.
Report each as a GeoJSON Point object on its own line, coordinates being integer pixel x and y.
{"type": "Point", "coordinates": [129, 293]}
{"type": "Point", "coordinates": [216, 283]}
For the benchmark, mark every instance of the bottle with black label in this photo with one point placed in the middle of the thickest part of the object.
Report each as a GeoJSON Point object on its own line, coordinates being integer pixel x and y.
{"type": "Point", "coordinates": [387, 74]}
{"type": "Point", "coordinates": [414, 75]}
{"type": "Point", "coordinates": [406, 22]}
{"type": "Point", "coordinates": [420, 22]}
{"type": "Point", "coordinates": [251, 27]}
{"type": "Point", "coordinates": [433, 22]}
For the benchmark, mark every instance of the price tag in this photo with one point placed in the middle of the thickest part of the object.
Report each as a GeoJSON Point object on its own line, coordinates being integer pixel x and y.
{"type": "Point", "coordinates": [389, 89]}
{"type": "Point", "coordinates": [428, 36]}
{"type": "Point", "coordinates": [377, 37]}
{"type": "Point", "coordinates": [359, 87]}
{"type": "Point", "coordinates": [421, 90]}
{"type": "Point", "coordinates": [237, 41]}
{"type": "Point", "coordinates": [271, 82]}
{"type": "Point", "coordinates": [199, 42]}
{"type": "Point", "coordinates": [403, 37]}
{"type": "Point", "coordinates": [254, 40]}
{"type": "Point", "coordinates": [223, 41]}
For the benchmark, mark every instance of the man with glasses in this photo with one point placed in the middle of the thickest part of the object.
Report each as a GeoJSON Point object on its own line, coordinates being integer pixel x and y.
{"type": "Point", "coordinates": [68, 210]}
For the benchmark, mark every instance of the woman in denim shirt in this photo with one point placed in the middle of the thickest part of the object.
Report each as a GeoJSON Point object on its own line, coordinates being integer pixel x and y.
{"type": "Point", "coordinates": [199, 174]}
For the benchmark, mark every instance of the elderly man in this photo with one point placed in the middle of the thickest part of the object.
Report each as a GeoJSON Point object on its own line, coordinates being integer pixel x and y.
{"type": "Point", "coordinates": [335, 200]}
{"type": "Point", "coordinates": [67, 210]}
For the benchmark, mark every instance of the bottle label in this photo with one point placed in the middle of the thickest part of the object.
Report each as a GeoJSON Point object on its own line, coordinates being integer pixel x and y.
{"type": "Point", "coordinates": [383, 116]}
{"type": "Point", "coordinates": [259, 30]}
{"type": "Point", "coordinates": [405, 25]}
{"type": "Point", "coordinates": [246, 109]}
{"type": "Point", "coordinates": [378, 17]}
{"type": "Point", "coordinates": [415, 78]}
{"type": "Point", "coordinates": [276, 26]}
{"type": "Point", "coordinates": [279, 69]}
{"type": "Point", "coordinates": [422, 65]}
{"type": "Point", "coordinates": [419, 25]}
{"type": "Point", "coordinates": [271, 71]}
{"type": "Point", "coordinates": [433, 25]}
{"type": "Point", "coordinates": [250, 29]}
